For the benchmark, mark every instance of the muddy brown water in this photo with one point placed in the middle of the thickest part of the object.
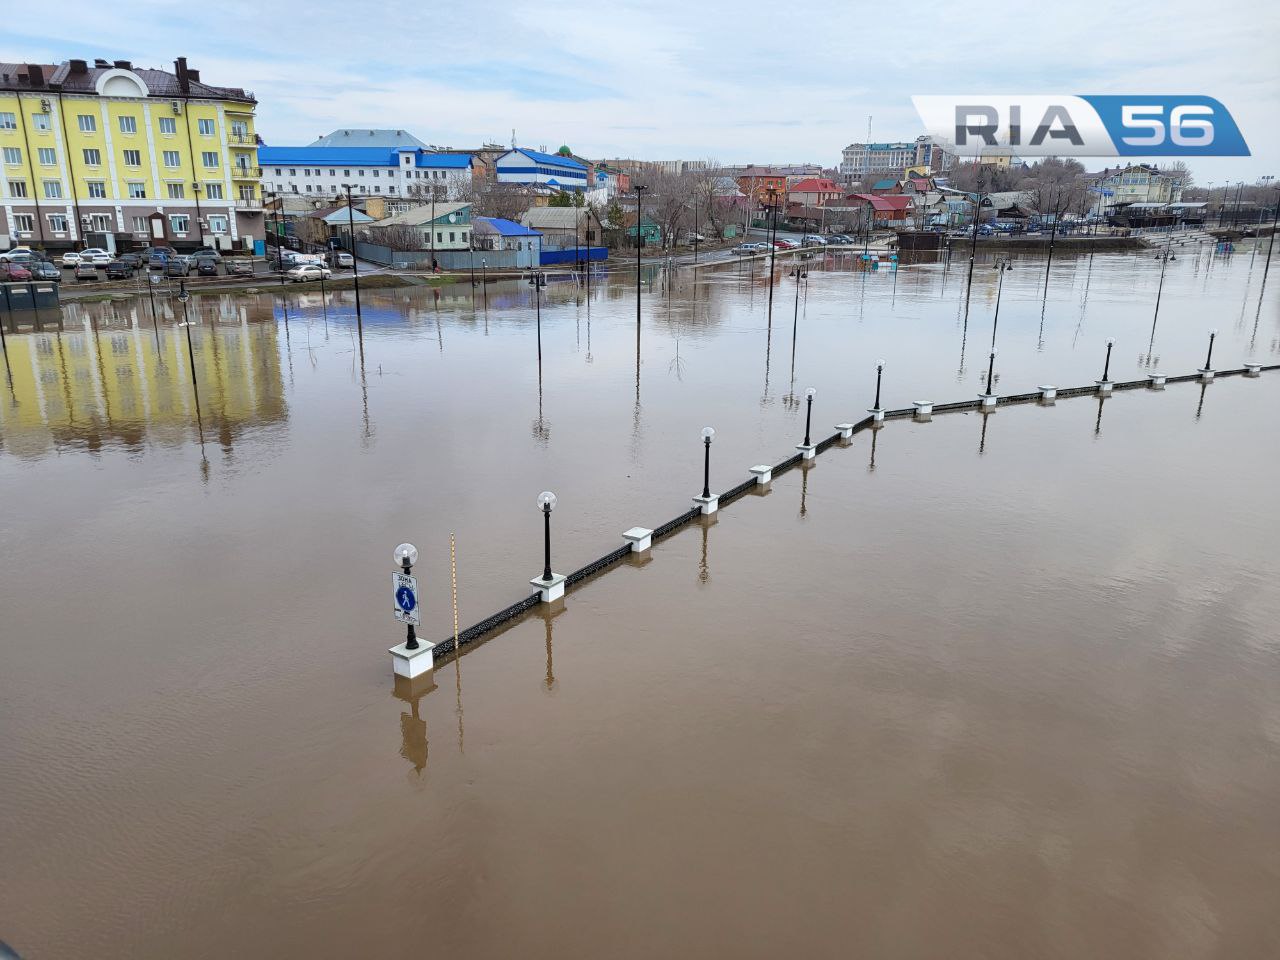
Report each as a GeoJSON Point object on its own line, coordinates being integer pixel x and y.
{"type": "Point", "coordinates": [1009, 691]}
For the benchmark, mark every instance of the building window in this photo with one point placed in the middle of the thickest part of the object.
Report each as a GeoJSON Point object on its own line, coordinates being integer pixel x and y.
{"type": "Point", "coordinates": [177, 191]}
{"type": "Point", "coordinates": [361, 172]}
{"type": "Point", "coordinates": [210, 159]}
{"type": "Point", "coordinates": [97, 189]}
{"type": "Point", "coordinates": [133, 158]}
{"type": "Point", "coordinates": [88, 123]}
{"type": "Point", "coordinates": [213, 191]}
{"type": "Point", "coordinates": [277, 171]}
{"type": "Point", "coordinates": [377, 173]}
{"type": "Point", "coordinates": [93, 158]}
{"type": "Point", "coordinates": [12, 156]}
{"type": "Point", "coordinates": [100, 222]}
{"type": "Point", "coordinates": [171, 158]}
{"type": "Point", "coordinates": [48, 156]}
{"type": "Point", "coordinates": [391, 189]}
{"type": "Point", "coordinates": [57, 222]}
{"type": "Point", "coordinates": [128, 124]}
{"type": "Point", "coordinates": [140, 225]}
{"type": "Point", "coordinates": [332, 173]}
{"type": "Point", "coordinates": [377, 189]}
{"type": "Point", "coordinates": [8, 121]}
{"type": "Point", "coordinates": [168, 125]}
{"type": "Point", "coordinates": [440, 236]}
{"type": "Point", "coordinates": [53, 189]}
{"type": "Point", "coordinates": [179, 222]}
{"type": "Point", "coordinates": [41, 122]}
{"type": "Point", "coordinates": [137, 191]}
{"type": "Point", "coordinates": [17, 188]}
{"type": "Point", "coordinates": [239, 129]}
{"type": "Point", "coordinates": [346, 173]}
{"type": "Point", "coordinates": [24, 222]}
{"type": "Point", "coordinates": [308, 188]}
{"type": "Point", "coordinates": [293, 171]}
{"type": "Point", "coordinates": [205, 127]}
{"type": "Point", "coordinates": [246, 193]}
{"type": "Point", "coordinates": [217, 224]}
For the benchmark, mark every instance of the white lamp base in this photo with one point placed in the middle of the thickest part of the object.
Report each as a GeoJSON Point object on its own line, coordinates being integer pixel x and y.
{"type": "Point", "coordinates": [552, 589]}
{"type": "Point", "coordinates": [412, 663]}
{"type": "Point", "coordinates": [708, 505]}
{"type": "Point", "coordinates": [640, 538]}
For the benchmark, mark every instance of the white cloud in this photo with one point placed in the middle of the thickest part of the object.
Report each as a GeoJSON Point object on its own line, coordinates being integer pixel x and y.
{"type": "Point", "coordinates": [738, 81]}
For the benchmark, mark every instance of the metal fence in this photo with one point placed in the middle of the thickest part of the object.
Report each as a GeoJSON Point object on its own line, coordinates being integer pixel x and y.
{"type": "Point", "coordinates": [507, 615]}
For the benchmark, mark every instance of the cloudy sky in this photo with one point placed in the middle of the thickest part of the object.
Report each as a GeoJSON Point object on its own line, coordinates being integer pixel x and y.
{"type": "Point", "coordinates": [739, 82]}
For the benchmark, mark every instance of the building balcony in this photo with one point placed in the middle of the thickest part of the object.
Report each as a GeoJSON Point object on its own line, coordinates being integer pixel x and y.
{"type": "Point", "coordinates": [240, 172]}
{"type": "Point", "coordinates": [242, 140]}
{"type": "Point", "coordinates": [248, 203]}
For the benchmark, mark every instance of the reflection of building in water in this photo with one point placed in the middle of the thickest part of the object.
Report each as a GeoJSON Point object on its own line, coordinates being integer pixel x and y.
{"type": "Point", "coordinates": [114, 387]}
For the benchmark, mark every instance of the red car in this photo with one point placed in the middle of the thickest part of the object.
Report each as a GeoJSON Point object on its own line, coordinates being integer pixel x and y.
{"type": "Point", "coordinates": [13, 272]}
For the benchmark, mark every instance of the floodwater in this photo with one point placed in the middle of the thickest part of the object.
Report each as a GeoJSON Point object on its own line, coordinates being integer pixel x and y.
{"type": "Point", "coordinates": [1008, 690]}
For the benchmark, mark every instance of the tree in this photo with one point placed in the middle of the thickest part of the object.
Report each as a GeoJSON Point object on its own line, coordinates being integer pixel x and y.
{"type": "Point", "coordinates": [614, 214]}
{"type": "Point", "coordinates": [311, 230]}
{"type": "Point", "coordinates": [503, 200]}
{"type": "Point", "coordinates": [560, 199]}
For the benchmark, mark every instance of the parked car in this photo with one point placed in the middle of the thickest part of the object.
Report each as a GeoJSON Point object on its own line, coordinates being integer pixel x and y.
{"type": "Point", "coordinates": [207, 253]}
{"type": "Point", "coordinates": [206, 267]}
{"type": "Point", "coordinates": [85, 271]}
{"type": "Point", "coordinates": [786, 244]}
{"type": "Point", "coordinates": [840, 238]}
{"type": "Point", "coordinates": [238, 268]}
{"type": "Point", "coordinates": [133, 259]}
{"type": "Point", "coordinates": [13, 273]}
{"type": "Point", "coordinates": [119, 270]}
{"type": "Point", "coordinates": [18, 255]}
{"type": "Point", "coordinates": [343, 259]}
{"type": "Point", "coordinates": [177, 267]}
{"type": "Point", "coordinates": [812, 239]}
{"type": "Point", "coordinates": [158, 260]}
{"type": "Point", "coordinates": [70, 258]}
{"type": "Point", "coordinates": [44, 270]}
{"type": "Point", "coordinates": [744, 249]}
{"type": "Point", "coordinates": [145, 253]}
{"type": "Point", "coordinates": [95, 255]}
{"type": "Point", "coordinates": [308, 271]}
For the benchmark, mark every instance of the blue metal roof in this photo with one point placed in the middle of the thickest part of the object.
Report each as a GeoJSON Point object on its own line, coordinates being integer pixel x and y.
{"type": "Point", "coordinates": [551, 159]}
{"type": "Point", "coordinates": [509, 228]}
{"type": "Point", "coordinates": [358, 157]}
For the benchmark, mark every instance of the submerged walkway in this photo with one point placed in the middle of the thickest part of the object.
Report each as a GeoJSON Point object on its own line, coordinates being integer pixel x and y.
{"type": "Point", "coordinates": [842, 438]}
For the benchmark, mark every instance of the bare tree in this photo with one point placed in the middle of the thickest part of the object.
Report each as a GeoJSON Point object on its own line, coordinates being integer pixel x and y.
{"type": "Point", "coordinates": [398, 236]}
{"type": "Point", "coordinates": [504, 200]}
{"type": "Point", "coordinates": [311, 230]}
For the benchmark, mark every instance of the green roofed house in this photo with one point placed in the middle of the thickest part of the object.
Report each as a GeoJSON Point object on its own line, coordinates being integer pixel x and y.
{"type": "Point", "coordinates": [650, 232]}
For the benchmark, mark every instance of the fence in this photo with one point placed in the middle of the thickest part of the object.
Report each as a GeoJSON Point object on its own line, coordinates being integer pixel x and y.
{"type": "Point", "coordinates": [662, 531]}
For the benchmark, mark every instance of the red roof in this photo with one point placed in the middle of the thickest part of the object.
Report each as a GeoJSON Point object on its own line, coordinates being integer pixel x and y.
{"type": "Point", "coordinates": [816, 185]}
{"type": "Point", "coordinates": [886, 204]}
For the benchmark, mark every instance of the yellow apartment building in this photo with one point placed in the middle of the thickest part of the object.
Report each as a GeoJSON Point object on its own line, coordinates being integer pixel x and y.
{"type": "Point", "coordinates": [98, 153]}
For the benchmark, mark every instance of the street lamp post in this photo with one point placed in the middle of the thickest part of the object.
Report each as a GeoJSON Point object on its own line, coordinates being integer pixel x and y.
{"type": "Point", "coordinates": [183, 297]}
{"type": "Point", "coordinates": [707, 434]}
{"type": "Point", "coordinates": [484, 279]}
{"type": "Point", "coordinates": [808, 413]}
{"type": "Point", "coordinates": [1003, 265]}
{"type": "Point", "coordinates": [991, 365]}
{"type": "Point", "coordinates": [1208, 360]}
{"type": "Point", "coordinates": [639, 242]}
{"type": "Point", "coordinates": [407, 555]}
{"type": "Point", "coordinates": [879, 375]}
{"type": "Point", "coordinates": [355, 261]}
{"type": "Point", "coordinates": [547, 503]}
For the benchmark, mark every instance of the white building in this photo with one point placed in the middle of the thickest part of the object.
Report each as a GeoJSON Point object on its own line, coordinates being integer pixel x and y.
{"type": "Point", "coordinates": [859, 160]}
{"type": "Point", "coordinates": [534, 168]}
{"type": "Point", "coordinates": [323, 172]}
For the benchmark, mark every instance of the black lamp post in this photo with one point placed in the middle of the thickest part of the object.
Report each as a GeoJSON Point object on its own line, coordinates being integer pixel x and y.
{"type": "Point", "coordinates": [183, 297]}
{"type": "Point", "coordinates": [991, 365]}
{"type": "Point", "coordinates": [639, 243]}
{"type": "Point", "coordinates": [547, 503]}
{"type": "Point", "coordinates": [808, 413]}
{"type": "Point", "coordinates": [1209, 357]}
{"type": "Point", "coordinates": [879, 374]}
{"type": "Point", "coordinates": [1003, 265]}
{"type": "Point", "coordinates": [484, 279]}
{"type": "Point", "coordinates": [1106, 367]}
{"type": "Point", "coordinates": [707, 434]}
{"type": "Point", "coordinates": [355, 262]}
{"type": "Point", "coordinates": [407, 555]}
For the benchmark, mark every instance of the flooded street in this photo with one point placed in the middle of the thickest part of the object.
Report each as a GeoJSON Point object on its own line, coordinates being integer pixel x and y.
{"type": "Point", "coordinates": [1002, 687]}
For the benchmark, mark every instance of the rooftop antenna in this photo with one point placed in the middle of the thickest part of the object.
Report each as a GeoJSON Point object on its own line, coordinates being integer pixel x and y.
{"type": "Point", "coordinates": [513, 138]}
{"type": "Point", "coordinates": [868, 128]}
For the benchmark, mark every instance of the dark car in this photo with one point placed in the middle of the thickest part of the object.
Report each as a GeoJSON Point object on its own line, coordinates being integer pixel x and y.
{"type": "Point", "coordinates": [207, 253]}
{"type": "Point", "coordinates": [133, 259]}
{"type": "Point", "coordinates": [239, 268]}
{"type": "Point", "coordinates": [13, 272]}
{"type": "Point", "coordinates": [119, 270]}
{"type": "Point", "coordinates": [44, 270]}
{"type": "Point", "coordinates": [206, 267]}
{"type": "Point", "coordinates": [158, 260]}
{"type": "Point", "coordinates": [177, 267]}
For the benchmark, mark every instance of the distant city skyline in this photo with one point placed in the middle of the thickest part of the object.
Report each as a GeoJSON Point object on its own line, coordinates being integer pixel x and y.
{"type": "Point", "coordinates": [677, 81]}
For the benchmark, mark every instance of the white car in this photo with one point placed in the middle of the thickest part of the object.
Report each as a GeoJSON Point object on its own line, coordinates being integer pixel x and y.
{"type": "Point", "coordinates": [70, 259]}
{"type": "Point", "coordinates": [95, 255]}
{"type": "Point", "coordinates": [17, 255]}
{"type": "Point", "coordinates": [308, 271]}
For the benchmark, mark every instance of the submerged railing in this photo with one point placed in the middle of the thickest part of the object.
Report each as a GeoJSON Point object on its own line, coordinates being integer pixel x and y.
{"type": "Point", "coordinates": [491, 623]}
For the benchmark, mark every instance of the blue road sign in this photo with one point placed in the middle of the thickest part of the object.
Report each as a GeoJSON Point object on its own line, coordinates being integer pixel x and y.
{"type": "Point", "coordinates": [405, 591]}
